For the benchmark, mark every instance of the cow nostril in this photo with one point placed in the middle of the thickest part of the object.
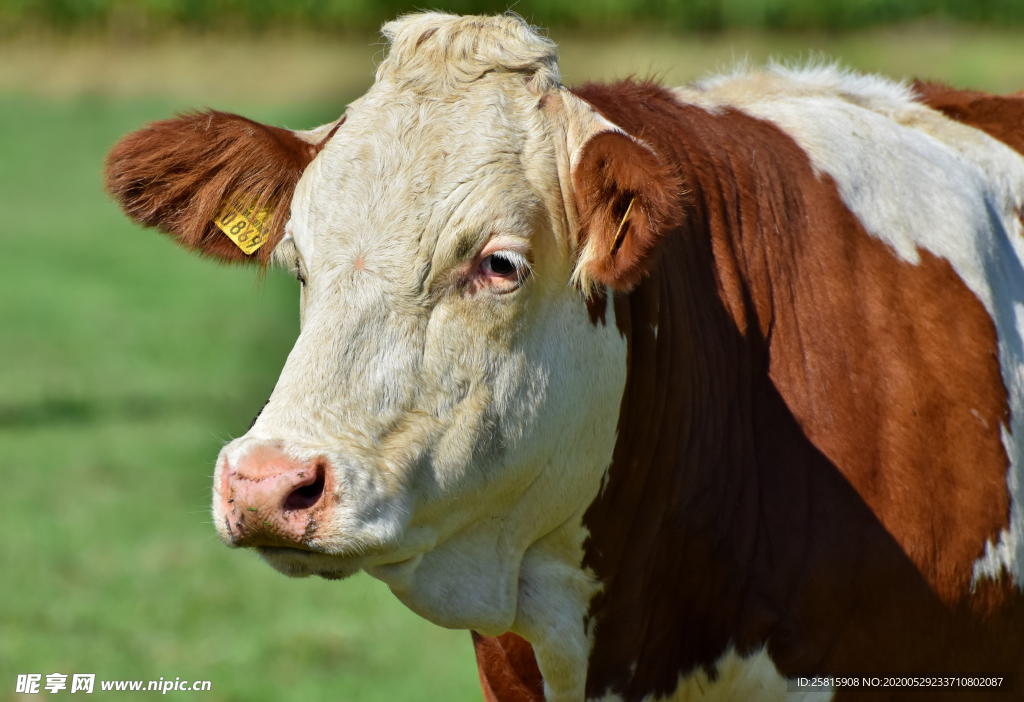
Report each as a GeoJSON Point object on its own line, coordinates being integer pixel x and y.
{"type": "Point", "coordinates": [308, 495]}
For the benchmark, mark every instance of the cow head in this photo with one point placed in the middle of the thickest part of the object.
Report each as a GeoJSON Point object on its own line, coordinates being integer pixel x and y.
{"type": "Point", "coordinates": [450, 405]}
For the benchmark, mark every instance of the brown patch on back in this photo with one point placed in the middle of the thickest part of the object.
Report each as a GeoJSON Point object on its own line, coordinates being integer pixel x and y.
{"type": "Point", "coordinates": [900, 387]}
{"type": "Point", "coordinates": [177, 174]}
{"type": "Point", "coordinates": [508, 669]}
{"type": "Point", "coordinates": [999, 116]}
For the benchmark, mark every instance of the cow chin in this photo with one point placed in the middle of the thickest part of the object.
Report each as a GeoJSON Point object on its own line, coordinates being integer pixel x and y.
{"type": "Point", "coordinates": [300, 563]}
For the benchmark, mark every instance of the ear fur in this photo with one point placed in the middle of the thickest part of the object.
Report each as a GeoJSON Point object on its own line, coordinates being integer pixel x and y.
{"type": "Point", "coordinates": [626, 199]}
{"type": "Point", "coordinates": [177, 174]}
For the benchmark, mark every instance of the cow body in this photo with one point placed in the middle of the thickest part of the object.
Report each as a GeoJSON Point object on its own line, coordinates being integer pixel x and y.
{"type": "Point", "coordinates": [668, 395]}
{"type": "Point", "coordinates": [816, 433]}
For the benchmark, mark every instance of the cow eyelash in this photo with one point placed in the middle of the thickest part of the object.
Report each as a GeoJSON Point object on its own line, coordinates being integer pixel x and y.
{"type": "Point", "coordinates": [297, 270]}
{"type": "Point", "coordinates": [516, 260]}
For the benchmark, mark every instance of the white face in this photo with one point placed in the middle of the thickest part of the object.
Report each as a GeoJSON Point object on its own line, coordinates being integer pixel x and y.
{"type": "Point", "coordinates": [448, 381]}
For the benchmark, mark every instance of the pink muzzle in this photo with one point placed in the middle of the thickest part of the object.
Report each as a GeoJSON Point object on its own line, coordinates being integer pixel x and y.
{"type": "Point", "coordinates": [270, 499]}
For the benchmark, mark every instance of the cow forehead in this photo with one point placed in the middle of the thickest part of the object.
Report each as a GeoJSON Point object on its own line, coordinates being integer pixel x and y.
{"type": "Point", "coordinates": [429, 177]}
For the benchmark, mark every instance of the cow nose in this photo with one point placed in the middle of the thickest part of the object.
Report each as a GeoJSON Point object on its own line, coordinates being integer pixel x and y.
{"type": "Point", "coordinates": [272, 499]}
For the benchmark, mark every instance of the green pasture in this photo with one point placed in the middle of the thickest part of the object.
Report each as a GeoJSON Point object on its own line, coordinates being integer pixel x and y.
{"type": "Point", "coordinates": [125, 364]}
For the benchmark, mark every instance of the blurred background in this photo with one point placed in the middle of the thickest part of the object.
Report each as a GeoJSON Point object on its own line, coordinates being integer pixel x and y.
{"type": "Point", "coordinates": [125, 363]}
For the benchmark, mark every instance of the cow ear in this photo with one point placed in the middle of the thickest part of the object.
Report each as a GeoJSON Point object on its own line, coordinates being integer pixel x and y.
{"type": "Point", "coordinates": [626, 198]}
{"type": "Point", "coordinates": [218, 183]}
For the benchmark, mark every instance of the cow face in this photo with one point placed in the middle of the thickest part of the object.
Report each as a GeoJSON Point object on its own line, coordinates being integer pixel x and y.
{"type": "Point", "coordinates": [443, 388]}
{"type": "Point", "coordinates": [451, 402]}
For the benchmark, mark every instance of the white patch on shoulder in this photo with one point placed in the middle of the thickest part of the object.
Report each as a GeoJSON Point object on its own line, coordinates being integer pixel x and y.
{"type": "Point", "coordinates": [916, 180]}
{"type": "Point", "coordinates": [753, 678]}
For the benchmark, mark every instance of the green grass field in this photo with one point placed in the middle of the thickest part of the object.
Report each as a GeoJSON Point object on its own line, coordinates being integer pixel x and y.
{"type": "Point", "coordinates": [126, 363]}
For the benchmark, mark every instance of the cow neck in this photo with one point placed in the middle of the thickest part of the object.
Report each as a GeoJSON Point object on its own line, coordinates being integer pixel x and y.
{"type": "Point", "coordinates": [721, 523]}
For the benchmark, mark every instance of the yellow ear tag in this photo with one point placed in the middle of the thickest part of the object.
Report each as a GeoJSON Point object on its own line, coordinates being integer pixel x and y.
{"type": "Point", "coordinates": [243, 228]}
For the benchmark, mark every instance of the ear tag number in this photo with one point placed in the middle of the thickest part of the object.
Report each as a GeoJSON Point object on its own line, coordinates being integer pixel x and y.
{"type": "Point", "coordinates": [243, 228]}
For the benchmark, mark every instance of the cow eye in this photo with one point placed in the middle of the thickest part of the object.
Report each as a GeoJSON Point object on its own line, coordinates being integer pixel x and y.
{"type": "Point", "coordinates": [501, 265]}
{"type": "Point", "coordinates": [504, 271]}
{"type": "Point", "coordinates": [298, 273]}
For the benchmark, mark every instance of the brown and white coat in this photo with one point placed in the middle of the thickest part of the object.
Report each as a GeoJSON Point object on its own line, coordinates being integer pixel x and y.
{"type": "Point", "coordinates": [694, 390]}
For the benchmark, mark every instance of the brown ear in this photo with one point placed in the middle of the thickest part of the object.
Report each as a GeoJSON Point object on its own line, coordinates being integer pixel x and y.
{"type": "Point", "coordinates": [179, 174]}
{"type": "Point", "coordinates": [626, 199]}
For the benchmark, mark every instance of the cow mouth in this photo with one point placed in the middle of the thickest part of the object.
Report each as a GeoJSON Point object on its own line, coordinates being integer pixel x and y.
{"type": "Point", "coordinates": [288, 551]}
{"type": "Point", "coordinates": [299, 562]}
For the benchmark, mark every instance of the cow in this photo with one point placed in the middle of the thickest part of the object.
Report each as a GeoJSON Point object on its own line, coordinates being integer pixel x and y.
{"type": "Point", "coordinates": [705, 393]}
